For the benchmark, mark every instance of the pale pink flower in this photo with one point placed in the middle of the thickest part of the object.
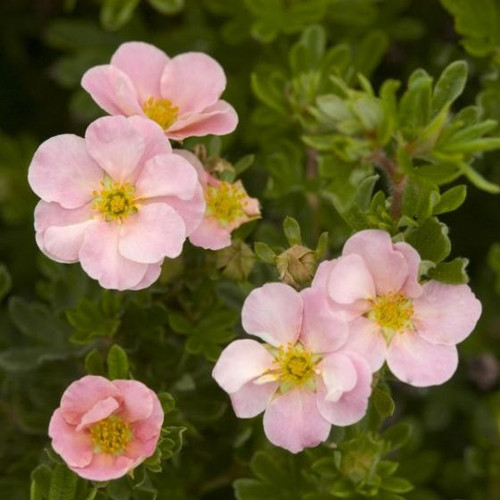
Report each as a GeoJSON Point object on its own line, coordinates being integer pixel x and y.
{"type": "Point", "coordinates": [119, 201]}
{"type": "Point", "coordinates": [393, 317]}
{"type": "Point", "coordinates": [302, 378]}
{"type": "Point", "coordinates": [180, 94]}
{"type": "Point", "coordinates": [228, 207]}
{"type": "Point", "coordinates": [103, 429]}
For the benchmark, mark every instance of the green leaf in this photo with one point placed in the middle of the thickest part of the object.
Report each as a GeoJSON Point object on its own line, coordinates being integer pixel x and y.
{"type": "Point", "coordinates": [383, 402]}
{"type": "Point", "coordinates": [5, 281]}
{"type": "Point", "coordinates": [478, 180]}
{"type": "Point", "coordinates": [369, 52]}
{"type": "Point", "coordinates": [264, 252]}
{"type": "Point", "coordinates": [415, 105]}
{"type": "Point", "coordinates": [94, 364]}
{"type": "Point", "coordinates": [420, 198]}
{"type": "Point", "coordinates": [450, 85]}
{"type": "Point", "coordinates": [307, 53]}
{"type": "Point", "coordinates": [270, 89]}
{"type": "Point", "coordinates": [453, 272]}
{"type": "Point", "coordinates": [397, 435]}
{"type": "Point", "coordinates": [431, 240]}
{"type": "Point", "coordinates": [167, 6]}
{"type": "Point", "coordinates": [450, 200]}
{"type": "Point", "coordinates": [40, 482]}
{"type": "Point", "coordinates": [118, 365]}
{"type": "Point", "coordinates": [167, 401]}
{"type": "Point", "coordinates": [396, 484]}
{"type": "Point", "coordinates": [116, 13]}
{"type": "Point", "coordinates": [62, 484]}
{"type": "Point", "coordinates": [236, 261]}
{"type": "Point", "coordinates": [243, 164]}
{"type": "Point", "coordinates": [292, 231]}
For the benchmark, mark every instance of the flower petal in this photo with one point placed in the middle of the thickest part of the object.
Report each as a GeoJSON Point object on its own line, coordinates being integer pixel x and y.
{"type": "Point", "coordinates": [210, 235]}
{"type": "Point", "coordinates": [143, 64]}
{"type": "Point", "coordinates": [445, 314]}
{"type": "Point", "coordinates": [149, 428]}
{"type": "Point", "coordinates": [191, 211]}
{"type": "Point", "coordinates": [352, 405]}
{"type": "Point", "coordinates": [251, 398]}
{"type": "Point", "coordinates": [112, 90]}
{"type": "Point", "coordinates": [273, 312]}
{"type": "Point", "coordinates": [192, 81]}
{"type": "Point", "coordinates": [137, 400]}
{"type": "Point", "coordinates": [196, 163]}
{"type": "Point", "coordinates": [292, 421]}
{"type": "Point", "coordinates": [219, 119]}
{"type": "Point", "coordinates": [83, 394]}
{"type": "Point", "coordinates": [155, 142]}
{"type": "Point", "coordinates": [366, 339]}
{"type": "Point", "coordinates": [419, 363]}
{"type": "Point", "coordinates": [154, 232]}
{"type": "Point", "coordinates": [411, 287]}
{"type": "Point", "coordinates": [60, 231]}
{"type": "Point", "coordinates": [74, 447]}
{"type": "Point", "coordinates": [101, 410]}
{"type": "Point", "coordinates": [105, 467]}
{"type": "Point", "coordinates": [387, 266]}
{"type": "Point", "coordinates": [152, 274]}
{"type": "Point", "coordinates": [101, 260]}
{"type": "Point", "coordinates": [63, 171]}
{"type": "Point", "coordinates": [116, 146]}
{"type": "Point", "coordinates": [322, 331]}
{"type": "Point", "coordinates": [240, 362]}
{"type": "Point", "coordinates": [167, 175]}
{"type": "Point", "coordinates": [338, 374]}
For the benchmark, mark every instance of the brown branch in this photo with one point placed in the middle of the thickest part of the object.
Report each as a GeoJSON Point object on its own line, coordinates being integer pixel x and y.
{"type": "Point", "coordinates": [397, 180]}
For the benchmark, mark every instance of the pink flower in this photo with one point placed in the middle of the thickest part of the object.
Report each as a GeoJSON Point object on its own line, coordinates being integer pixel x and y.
{"type": "Point", "coordinates": [228, 207]}
{"type": "Point", "coordinates": [118, 201]}
{"type": "Point", "coordinates": [392, 317]}
{"type": "Point", "coordinates": [301, 377]}
{"type": "Point", "coordinates": [103, 429]}
{"type": "Point", "coordinates": [180, 94]}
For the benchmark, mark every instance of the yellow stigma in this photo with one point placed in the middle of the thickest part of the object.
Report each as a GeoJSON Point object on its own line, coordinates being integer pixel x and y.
{"type": "Point", "coordinates": [115, 201]}
{"type": "Point", "coordinates": [162, 111]}
{"type": "Point", "coordinates": [392, 311]}
{"type": "Point", "coordinates": [295, 366]}
{"type": "Point", "coordinates": [110, 435]}
{"type": "Point", "coordinates": [225, 202]}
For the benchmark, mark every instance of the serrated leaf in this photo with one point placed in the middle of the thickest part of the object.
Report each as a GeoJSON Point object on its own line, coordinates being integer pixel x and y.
{"type": "Point", "coordinates": [117, 361]}
{"type": "Point", "coordinates": [431, 240]}
{"type": "Point", "coordinates": [63, 484]}
{"type": "Point", "coordinates": [453, 272]}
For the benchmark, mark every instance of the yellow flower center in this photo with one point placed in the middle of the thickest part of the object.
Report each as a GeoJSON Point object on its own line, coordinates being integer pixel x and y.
{"type": "Point", "coordinates": [115, 201]}
{"type": "Point", "coordinates": [392, 311]}
{"type": "Point", "coordinates": [295, 366]}
{"type": "Point", "coordinates": [162, 111]}
{"type": "Point", "coordinates": [225, 202]}
{"type": "Point", "coordinates": [110, 435]}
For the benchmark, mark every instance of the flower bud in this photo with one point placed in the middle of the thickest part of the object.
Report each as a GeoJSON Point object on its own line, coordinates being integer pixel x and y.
{"type": "Point", "coordinates": [297, 265]}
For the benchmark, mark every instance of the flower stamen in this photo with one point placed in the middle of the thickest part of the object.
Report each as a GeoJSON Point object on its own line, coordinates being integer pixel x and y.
{"type": "Point", "coordinates": [225, 202]}
{"type": "Point", "coordinates": [393, 312]}
{"type": "Point", "coordinates": [115, 201]}
{"type": "Point", "coordinates": [111, 435]}
{"type": "Point", "coordinates": [162, 111]}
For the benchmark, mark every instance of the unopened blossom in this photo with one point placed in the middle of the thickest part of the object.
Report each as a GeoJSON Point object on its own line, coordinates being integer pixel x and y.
{"type": "Point", "coordinates": [118, 201]}
{"type": "Point", "coordinates": [413, 326]}
{"type": "Point", "coordinates": [228, 206]}
{"type": "Point", "coordinates": [301, 377]}
{"type": "Point", "coordinates": [103, 429]}
{"type": "Point", "coordinates": [181, 94]}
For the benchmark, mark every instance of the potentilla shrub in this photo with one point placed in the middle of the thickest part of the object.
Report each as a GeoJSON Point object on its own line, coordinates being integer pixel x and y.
{"type": "Point", "coordinates": [262, 306]}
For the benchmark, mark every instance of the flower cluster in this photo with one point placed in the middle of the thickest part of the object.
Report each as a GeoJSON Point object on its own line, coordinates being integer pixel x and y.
{"type": "Point", "coordinates": [322, 344]}
{"type": "Point", "coordinates": [120, 199]}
